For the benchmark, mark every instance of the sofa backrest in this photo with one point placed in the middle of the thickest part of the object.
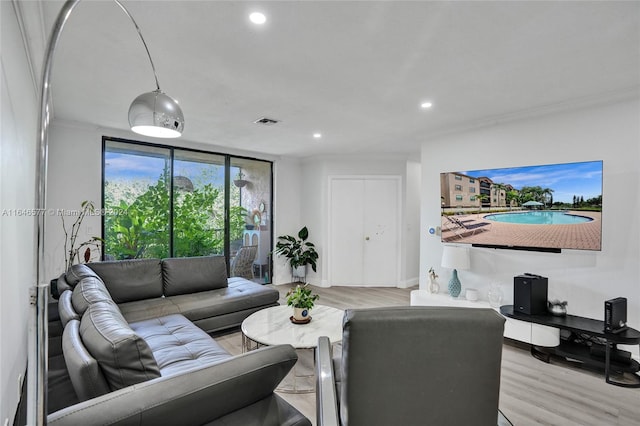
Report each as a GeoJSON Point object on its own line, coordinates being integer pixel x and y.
{"type": "Point", "coordinates": [183, 275]}
{"type": "Point", "coordinates": [130, 280]}
{"type": "Point", "coordinates": [77, 273]}
{"type": "Point", "coordinates": [124, 357]}
{"type": "Point", "coordinates": [89, 290]}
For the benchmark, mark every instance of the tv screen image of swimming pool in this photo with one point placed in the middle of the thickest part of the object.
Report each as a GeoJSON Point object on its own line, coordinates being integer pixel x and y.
{"type": "Point", "coordinates": [538, 218]}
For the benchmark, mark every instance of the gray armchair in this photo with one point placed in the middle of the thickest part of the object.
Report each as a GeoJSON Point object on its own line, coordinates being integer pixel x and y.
{"type": "Point", "coordinates": [412, 366]}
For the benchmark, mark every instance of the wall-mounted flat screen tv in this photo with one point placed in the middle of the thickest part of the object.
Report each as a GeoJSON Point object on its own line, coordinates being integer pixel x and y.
{"type": "Point", "coordinates": [543, 208]}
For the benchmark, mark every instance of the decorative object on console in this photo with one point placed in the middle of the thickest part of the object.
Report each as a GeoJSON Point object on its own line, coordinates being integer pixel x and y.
{"type": "Point", "coordinates": [302, 300]}
{"type": "Point", "coordinates": [471, 294]}
{"type": "Point", "coordinates": [495, 295]}
{"type": "Point", "coordinates": [557, 308]}
{"type": "Point", "coordinates": [434, 286]}
{"type": "Point", "coordinates": [455, 258]}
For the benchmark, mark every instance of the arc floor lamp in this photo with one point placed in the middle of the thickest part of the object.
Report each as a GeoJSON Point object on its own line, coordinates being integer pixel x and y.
{"type": "Point", "coordinates": [153, 114]}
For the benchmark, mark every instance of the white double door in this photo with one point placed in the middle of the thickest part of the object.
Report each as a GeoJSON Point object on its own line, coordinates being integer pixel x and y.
{"type": "Point", "coordinates": [364, 230]}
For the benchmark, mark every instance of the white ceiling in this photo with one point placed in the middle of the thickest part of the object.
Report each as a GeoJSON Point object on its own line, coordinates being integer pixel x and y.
{"type": "Point", "coordinates": [354, 71]}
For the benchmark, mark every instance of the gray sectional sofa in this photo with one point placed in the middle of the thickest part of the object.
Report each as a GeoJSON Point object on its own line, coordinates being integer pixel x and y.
{"type": "Point", "coordinates": [136, 346]}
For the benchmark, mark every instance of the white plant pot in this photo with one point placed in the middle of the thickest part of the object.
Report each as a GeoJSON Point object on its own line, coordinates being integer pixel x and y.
{"type": "Point", "coordinates": [300, 271]}
{"type": "Point", "coordinates": [300, 314]}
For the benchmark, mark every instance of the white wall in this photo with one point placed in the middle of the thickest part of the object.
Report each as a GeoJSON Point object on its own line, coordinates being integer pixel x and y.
{"type": "Point", "coordinates": [288, 190]}
{"type": "Point", "coordinates": [585, 279]}
{"type": "Point", "coordinates": [411, 258]}
{"type": "Point", "coordinates": [18, 132]}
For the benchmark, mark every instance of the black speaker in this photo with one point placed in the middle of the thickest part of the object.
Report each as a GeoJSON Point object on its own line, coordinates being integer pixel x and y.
{"type": "Point", "coordinates": [615, 315]}
{"type": "Point", "coordinates": [530, 294]}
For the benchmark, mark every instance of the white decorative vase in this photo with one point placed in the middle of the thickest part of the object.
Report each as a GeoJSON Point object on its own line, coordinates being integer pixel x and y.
{"type": "Point", "coordinates": [495, 295]}
{"type": "Point", "coordinates": [434, 286]}
{"type": "Point", "coordinates": [301, 314]}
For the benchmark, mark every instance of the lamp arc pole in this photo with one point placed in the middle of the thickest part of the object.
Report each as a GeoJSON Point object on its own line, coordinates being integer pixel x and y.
{"type": "Point", "coordinates": [39, 293]}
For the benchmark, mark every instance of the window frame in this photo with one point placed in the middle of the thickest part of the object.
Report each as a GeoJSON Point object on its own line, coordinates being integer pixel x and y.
{"type": "Point", "coordinates": [228, 158]}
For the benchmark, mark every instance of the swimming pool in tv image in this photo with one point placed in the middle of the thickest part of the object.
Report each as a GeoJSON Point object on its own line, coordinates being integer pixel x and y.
{"type": "Point", "coordinates": [538, 218]}
{"type": "Point", "coordinates": [553, 206]}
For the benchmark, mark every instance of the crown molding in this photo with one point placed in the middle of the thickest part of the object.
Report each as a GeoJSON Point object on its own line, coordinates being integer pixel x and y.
{"type": "Point", "coordinates": [616, 96]}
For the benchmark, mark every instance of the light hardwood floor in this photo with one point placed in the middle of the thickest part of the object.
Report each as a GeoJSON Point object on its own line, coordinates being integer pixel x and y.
{"type": "Point", "coordinates": [532, 392]}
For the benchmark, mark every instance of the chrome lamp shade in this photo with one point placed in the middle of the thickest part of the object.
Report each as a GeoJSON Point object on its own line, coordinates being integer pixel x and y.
{"type": "Point", "coordinates": [156, 114]}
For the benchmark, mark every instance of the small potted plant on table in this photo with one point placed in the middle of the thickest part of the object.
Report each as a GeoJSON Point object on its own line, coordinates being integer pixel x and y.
{"type": "Point", "coordinates": [302, 300]}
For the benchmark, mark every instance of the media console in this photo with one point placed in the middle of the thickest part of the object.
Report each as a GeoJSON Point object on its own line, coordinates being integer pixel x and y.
{"type": "Point", "coordinates": [542, 332]}
{"type": "Point", "coordinates": [534, 334]}
{"type": "Point", "coordinates": [602, 353]}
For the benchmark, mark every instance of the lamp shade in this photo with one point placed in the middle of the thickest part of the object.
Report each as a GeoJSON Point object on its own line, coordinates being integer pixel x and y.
{"type": "Point", "coordinates": [455, 257]}
{"type": "Point", "coordinates": [156, 114]}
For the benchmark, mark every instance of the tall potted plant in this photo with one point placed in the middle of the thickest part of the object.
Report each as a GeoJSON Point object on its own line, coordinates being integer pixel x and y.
{"type": "Point", "coordinates": [298, 251]}
{"type": "Point", "coordinates": [72, 249]}
{"type": "Point", "coordinates": [75, 252]}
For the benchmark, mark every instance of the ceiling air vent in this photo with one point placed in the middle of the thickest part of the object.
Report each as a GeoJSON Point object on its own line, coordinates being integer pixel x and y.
{"type": "Point", "coordinates": [266, 121]}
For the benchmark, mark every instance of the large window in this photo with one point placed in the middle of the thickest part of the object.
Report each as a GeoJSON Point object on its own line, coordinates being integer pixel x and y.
{"type": "Point", "coordinates": [170, 202]}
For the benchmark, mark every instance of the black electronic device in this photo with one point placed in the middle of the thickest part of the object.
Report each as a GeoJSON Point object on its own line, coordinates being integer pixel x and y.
{"type": "Point", "coordinates": [530, 294]}
{"type": "Point", "coordinates": [615, 315]}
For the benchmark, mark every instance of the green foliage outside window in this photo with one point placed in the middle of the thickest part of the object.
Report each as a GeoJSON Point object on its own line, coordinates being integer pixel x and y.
{"type": "Point", "coordinates": [194, 229]}
{"type": "Point", "coordinates": [141, 227]}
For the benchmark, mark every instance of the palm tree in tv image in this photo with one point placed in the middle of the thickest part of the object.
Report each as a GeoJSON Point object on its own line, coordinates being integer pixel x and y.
{"type": "Point", "coordinates": [547, 197]}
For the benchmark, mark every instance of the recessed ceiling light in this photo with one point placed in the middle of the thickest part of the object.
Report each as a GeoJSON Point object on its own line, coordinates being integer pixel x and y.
{"type": "Point", "coordinates": [317, 135]}
{"type": "Point", "coordinates": [258, 18]}
{"type": "Point", "coordinates": [426, 105]}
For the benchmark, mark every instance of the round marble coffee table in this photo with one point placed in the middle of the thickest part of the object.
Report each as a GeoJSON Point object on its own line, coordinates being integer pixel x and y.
{"type": "Point", "coordinates": [272, 326]}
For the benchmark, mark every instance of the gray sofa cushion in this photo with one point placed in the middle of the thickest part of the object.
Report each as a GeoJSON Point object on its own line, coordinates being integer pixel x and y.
{"type": "Point", "coordinates": [84, 372]}
{"type": "Point", "coordinates": [124, 357]}
{"type": "Point", "coordinates": [177, 344]}
{"type": "Point", "coordinates": [184, 275]}
{"type": "Point", "coordinates": [147, 309]}
{"type": "Point", "coordinates": [89, 290]}
{"type": "Point", "coordinates": [129, 280]}
{"type": "Point", "coordinates": [76, 273]}
{"type": "Point", "coordinates": [240, 295]}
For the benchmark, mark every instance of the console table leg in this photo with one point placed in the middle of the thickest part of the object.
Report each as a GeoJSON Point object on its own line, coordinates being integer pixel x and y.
{"type": "Point", "coordinates": [607, 369]}
{"type": "Point", "coordinates": [607, 361]}
{"type": "Point", "coordinates": [538, 354]}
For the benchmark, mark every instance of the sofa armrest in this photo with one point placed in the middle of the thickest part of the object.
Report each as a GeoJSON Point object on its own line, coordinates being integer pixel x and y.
{"type": "Point", "coordinates": [194, 397]}
{"type": "Point", "coordinates": [66, 312]}
{"type": "Point", "coordinates": [61, 286]}
{"type": "Point", "coordinates": [326, 397]}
